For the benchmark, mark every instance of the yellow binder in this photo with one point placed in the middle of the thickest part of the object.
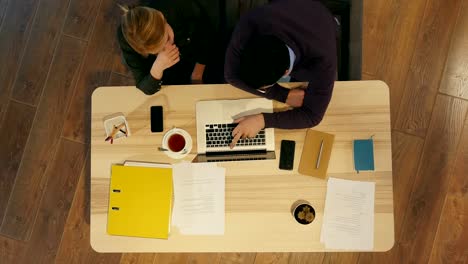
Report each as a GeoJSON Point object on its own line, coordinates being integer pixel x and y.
{"type": "Point", "coordinates": [140, 202]}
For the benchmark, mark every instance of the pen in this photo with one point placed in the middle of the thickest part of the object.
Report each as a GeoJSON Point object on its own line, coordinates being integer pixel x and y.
{"type": "Point", "coordinates": [319, 155]}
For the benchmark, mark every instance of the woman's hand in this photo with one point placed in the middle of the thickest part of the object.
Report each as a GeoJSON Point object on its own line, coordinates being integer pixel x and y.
{"type": "Point", "coordinates": [166, 59]}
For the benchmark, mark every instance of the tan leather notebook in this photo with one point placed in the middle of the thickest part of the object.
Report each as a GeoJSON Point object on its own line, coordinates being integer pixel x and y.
{"type": "Point", "coordinates": [316, 154]}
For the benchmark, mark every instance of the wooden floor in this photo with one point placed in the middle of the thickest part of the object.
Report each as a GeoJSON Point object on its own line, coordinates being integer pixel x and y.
{"type": "Point", "coordinates": [53, 53]}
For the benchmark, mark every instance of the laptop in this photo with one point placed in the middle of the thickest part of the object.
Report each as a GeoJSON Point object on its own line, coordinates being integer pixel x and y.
{"type": "Point", "coordinates": [214, 131]}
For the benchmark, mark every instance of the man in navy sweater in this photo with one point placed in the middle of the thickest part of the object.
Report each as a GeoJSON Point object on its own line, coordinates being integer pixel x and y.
{"type": "Point", "coordinates": [285, 37]}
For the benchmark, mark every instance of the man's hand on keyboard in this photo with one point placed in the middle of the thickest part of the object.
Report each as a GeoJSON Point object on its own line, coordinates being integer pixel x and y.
{"type": "Point", "coordinates": [248, 127]}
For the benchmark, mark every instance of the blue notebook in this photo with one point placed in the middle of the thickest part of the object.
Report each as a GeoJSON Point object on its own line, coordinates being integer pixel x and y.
{"type": "Point", "coordinates": [364, 154]}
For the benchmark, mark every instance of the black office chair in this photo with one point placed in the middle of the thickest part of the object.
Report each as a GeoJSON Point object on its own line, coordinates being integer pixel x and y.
{"type": "Point", "coordinates": [348, 13]}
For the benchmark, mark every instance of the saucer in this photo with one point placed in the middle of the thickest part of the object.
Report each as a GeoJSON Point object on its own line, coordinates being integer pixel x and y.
{"type": "Point", "coordinates": [188, 143]}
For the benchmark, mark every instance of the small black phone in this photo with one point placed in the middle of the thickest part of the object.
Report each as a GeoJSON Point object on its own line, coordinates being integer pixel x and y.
{"type": "Point", "coordinates": [157, 119]}
{"type": "Point", "coordinates": [287, 154]}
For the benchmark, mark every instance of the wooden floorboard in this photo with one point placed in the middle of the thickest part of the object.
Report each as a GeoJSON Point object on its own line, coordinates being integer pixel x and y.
{"type": "Point", "coordinates": [368, 76]}
{"type": "Point", "coordinates": [201, 258]}
{"type": "Point", "coordinates": [3, 8]}
{"type": "Point", "coordinates": [16, 126]}
{"type": "Point", "coordinates": [406, 153]}
{"type": "Point", "coordinates": [395, 255]}
{"type": "Point", "coordinates": [306, 258]}
{"type": "Point", "coordinates": [45, 136]}
{"type": "Point", "coordinates": [11, 250]}
{"type": "Point", "coordinates": [119, 66]}
{"type": "Point", "coordinates": [138, 258]}
{"type": "Point", "coordinates": [427, 64]}
{"type": "Point", "coordinates": [62, 177]}
{"type": "Point", "coordinates": [430, 187]}
{"type": "Point", "coordinates": [116, 79]}
{"type": "Point", "coordinates": [39, 51]}
{"type": "Point", "coordinates": [237, 258]}
{"type": "Point", "coordinates": [455, 80]}
{"type": "Point", "coordinates": [100, 258]}
{"type": "Point", "coordinates": [272, 258]}
{"type": "Point", "coordinates": [95, 72]}
{"type": "Point", "coordinates": [172, 258]}
{"type": "Point", "coordinates": [450, 244]}
{"type": "Point", "coordinates": [348, 258]}
{"type": "Point", "coordinates": [419, 48]}
{"type": "Point", "coordinates": [392, 55]}
{"type": "Point", "coordinates": [14, 34]}
{"type": "Point", "coordinates": [81, 17]}
{"type": "Point", "coordinates": [378, 22]}
{"type": "Point", "coordinates": [75, 247]}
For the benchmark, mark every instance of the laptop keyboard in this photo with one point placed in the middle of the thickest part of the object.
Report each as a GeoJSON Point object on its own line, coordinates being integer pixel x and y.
{"type": "Point", "coordinates": [220, 135]}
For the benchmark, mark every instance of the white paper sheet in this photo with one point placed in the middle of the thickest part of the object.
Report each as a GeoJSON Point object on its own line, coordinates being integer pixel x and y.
{"type": "Point", "coordinates": [199, 198]}
{"type": "Point", "coordinates": [348, 222]}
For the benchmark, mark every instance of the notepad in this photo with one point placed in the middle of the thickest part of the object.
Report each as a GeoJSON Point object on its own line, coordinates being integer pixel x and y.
{"type": "Point", "coordinates": [140, 202]}
{"type": "Point", "coordinates": [364, 154]}
{"type": "Point", "coordinates": [316, 154]}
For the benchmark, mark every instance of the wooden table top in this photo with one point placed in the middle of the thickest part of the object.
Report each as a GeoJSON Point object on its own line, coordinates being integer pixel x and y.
{"type": "Point", "coordinates": [258, 194]}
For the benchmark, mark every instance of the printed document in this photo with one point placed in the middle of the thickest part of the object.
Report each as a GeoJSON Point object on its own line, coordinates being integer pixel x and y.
{"type": "Point", "coordinates": [348, 221]}
{"type": "Point", "coordinates": [198, 198]}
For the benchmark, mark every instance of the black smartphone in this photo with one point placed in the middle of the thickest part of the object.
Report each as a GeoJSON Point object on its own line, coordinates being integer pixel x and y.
{"type": "Point", "coordinates": [287, 154]}
{"type": "Point", "coordinates": [157, 119]}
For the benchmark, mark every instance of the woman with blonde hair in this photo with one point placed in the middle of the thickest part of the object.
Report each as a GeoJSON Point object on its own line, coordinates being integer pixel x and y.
{"type": "Point", "coordinates": [171, 42]}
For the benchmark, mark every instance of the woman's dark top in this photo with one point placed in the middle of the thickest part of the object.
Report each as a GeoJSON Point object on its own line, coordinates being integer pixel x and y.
{"type": "Point", "coordinates": [196, 32]}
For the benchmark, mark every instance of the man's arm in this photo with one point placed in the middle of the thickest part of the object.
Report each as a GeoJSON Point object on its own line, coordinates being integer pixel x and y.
{"type": "Point", "coordinates": [316, 99]}
{"type": "Point", "coordinates": [197, 74]}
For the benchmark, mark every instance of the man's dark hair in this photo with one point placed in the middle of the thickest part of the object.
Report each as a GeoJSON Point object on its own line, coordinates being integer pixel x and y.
{"type": "Point", "coordinates": [263, 61]}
